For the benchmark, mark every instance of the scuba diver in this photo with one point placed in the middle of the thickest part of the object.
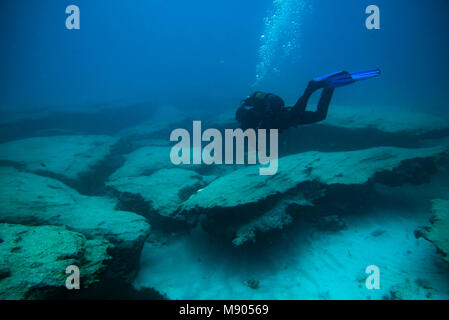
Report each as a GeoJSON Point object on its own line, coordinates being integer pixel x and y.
{"type": "Point", "coordinates": [267, 111]}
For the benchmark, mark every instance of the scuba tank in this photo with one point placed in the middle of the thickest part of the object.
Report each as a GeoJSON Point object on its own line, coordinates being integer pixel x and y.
{"type": "Point", "coordinates": [259, 108]}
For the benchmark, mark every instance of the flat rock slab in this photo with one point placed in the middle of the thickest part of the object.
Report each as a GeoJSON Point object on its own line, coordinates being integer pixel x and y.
{"type": "Point", "coordinates": [143, 162]}
{"type": "Point", "coordinates": [302, 179]}
{"type": "Point", "coordinates": [153, 128]}
{"type": "Point", "coordinates": [438, 232]}
{"type": "Point", "coordinates": [33, 260]}
{"type": "Point", "coordinates": [67, 157]}
{"type": "Point", "coordinates": [29, 199]}
{"type": "Point", "coordinates": [246, 186]}
{"type": "Point", "coordinates": [164, 190]}
{"type": "Point", "coordinates": [391, 120]}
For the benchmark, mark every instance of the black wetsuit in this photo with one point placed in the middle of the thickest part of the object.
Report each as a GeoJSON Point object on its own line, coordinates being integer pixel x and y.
{"type": "Point", "coordinates": [268, 111]}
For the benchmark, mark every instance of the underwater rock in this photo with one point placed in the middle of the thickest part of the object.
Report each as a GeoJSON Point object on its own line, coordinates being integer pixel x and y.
{"type": "Point", "coordinates": [154, 128]}
{"type": "Point", "coordinates": [154, 142]}
{"type": "Point", "coordinates": [148, 160]}
{"type": "Point", "coordinates": [63, 157]}
{"type": "Point", "coordinates": [243, 203]}
{"type": "Point", "coordinates": [164, 190]}
{"type": "Point", "coordinates": [29, 199]}
{"type": "Point", "coordinates": [143, 162]}
{"type": "Point", "coordinates": [388, 120]}
{"type": "Point", "coordinates": [36, 259]}
{"type": "Point", "coordinates": [275, 218]}
{"type": "Point", "coordinates": [438, 232]}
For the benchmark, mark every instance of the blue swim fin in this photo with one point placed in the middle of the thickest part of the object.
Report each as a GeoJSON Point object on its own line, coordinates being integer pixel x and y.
{"type": "Point", "coordinates": [343, 78]}
{"type": "Point", "coordinates": [363, 75]}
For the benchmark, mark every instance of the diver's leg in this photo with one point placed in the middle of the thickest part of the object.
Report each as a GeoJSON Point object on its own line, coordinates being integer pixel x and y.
{"type": "Point", "coordinates": [323, 104]}
{"type": "Point", "coordinates": [308, 117]}
{"type": "Point", "coordinates": [301, 105]}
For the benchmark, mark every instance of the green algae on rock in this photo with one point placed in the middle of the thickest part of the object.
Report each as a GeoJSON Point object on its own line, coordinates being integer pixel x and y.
{"type": "Point", "coordinates": [29, 199]}
{"type": "Point", "coordinates": [34, 260]}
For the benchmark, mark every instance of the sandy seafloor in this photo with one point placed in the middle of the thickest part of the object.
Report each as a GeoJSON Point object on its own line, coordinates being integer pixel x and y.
{"type": "Point", "coordinates": [311, 266]}
{"type": "Point", "coordinates": [306, 263]}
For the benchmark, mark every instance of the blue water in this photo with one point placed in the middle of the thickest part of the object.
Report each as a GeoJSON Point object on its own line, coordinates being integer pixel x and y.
{"type": "Point", "coordinates": [205, 54]}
